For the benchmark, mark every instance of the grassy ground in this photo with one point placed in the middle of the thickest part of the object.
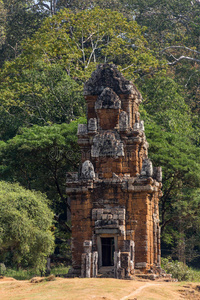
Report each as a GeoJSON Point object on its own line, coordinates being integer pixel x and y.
{"type": "Point", "coordinates": [98, 289]}
{"type": "Point", "coordinates": [16, 285]}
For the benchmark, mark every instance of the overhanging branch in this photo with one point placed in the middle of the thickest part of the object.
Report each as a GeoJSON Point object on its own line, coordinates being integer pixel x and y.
{"type": "Point", "coordinates": [179, 47]}
{"type": "Point", "coordinates": [182, 57]}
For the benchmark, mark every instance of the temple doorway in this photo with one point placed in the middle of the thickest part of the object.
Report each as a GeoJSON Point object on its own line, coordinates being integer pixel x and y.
{"type": "Point", "coordinates": [108, 249]}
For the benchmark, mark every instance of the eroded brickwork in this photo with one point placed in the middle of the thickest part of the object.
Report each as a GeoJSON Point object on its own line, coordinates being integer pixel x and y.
{"type": "Point", "coordinates": [114, 198]}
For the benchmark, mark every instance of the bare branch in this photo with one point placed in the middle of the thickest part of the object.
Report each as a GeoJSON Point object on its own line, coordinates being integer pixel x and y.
{"type": "Point", "coordinates": [83, 50]}
{"type": "Point", "coordinates": [40, 3]}
{"type": "Point", "coordinates": [181, 58]}
{"type": "Point", "coordinates": [89, 37]}
{"type": "Point", "coordinates": [188, 80]}
{"type": "Point", "coordinates": [136, 71]}
{"type": "Point", "coordinates": [179, 47]}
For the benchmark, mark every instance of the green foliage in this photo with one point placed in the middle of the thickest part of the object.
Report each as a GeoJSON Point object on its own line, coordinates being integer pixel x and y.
{"type": "Point", "coordinates": [171, 21]}
{"type": "Point", "coordinates": [42, 95]}
{"type": "Point", "coordinates": [164, 102]}
{"type": "Point", "coordinates": [28, 273]}
{"type": "Point", "coordinates": [179, 270]}
{"type": "Point", "coordinates": [43, 85]}
{"type": "Point", "coordinates": [79, 41]}
{"type": "Point", "coordinates": [39, 158]}
{"type": "Point", "coordinates": [2, 268]}
{"type": "Point", "coordinates": [2, 24]}
{"type": "Point", "coordinates": [174, 146]}
{"type": "Point", "coordinates": [174, 24]}
{"type": "Point", "coordinates": [60, 270]}
{"type": "Point", "coordinates": [25, 225]}
{"type": "Point", "coordinates": [22, 274]}
{"type": "Point", "coordinates": [20, 23]}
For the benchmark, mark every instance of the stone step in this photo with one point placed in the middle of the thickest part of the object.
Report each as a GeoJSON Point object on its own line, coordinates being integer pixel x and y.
{"type": "Point", "coordinates": [106, 272]}
{"type": "Point", "coordinates": [165, 277]}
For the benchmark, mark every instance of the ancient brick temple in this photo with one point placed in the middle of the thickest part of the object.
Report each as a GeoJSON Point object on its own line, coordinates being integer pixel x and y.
{"type": "Point", "coordinates": [114, 196]}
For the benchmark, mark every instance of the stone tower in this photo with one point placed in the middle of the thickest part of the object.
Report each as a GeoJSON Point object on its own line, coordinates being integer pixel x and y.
{"type": "Point", "coordinates": [114, 196]}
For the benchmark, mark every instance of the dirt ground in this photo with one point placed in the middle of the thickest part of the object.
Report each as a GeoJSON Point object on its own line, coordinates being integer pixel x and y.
{"type": "Point", "coordinates": [97, 289]}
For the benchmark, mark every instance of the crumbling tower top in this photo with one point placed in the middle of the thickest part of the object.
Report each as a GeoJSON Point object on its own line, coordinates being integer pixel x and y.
{"type": "Point", "coordinates": [107, 75]}
{"type": "Point", "coordinates": [111, 99]}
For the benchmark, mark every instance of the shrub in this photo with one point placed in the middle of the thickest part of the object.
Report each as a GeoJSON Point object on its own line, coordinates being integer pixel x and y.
{"type": "Point", "coordinates": [2, 268]}
{"type": "Point", "coordinates": [26, 238]}
{"type": "Point", "coordinates": [179, 270]}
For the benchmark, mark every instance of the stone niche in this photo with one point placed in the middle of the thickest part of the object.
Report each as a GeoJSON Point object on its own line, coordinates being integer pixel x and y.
{"type": "Point", "coordinates": [114, 196]}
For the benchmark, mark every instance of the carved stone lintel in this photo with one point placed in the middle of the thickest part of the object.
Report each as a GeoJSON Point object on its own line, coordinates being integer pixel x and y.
{"type": "Point", "coordinates": [107, 144]}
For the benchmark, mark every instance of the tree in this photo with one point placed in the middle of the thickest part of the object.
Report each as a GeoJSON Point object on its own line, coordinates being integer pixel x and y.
{"type": "Point", "coordinates": [76, 5]}
{"type": "Point", "coordinates": [43, 86]}
{"type": "Point", "coordinates": [20, 22]}
{"type": "Point", "coordinates": [46, 95]}
{"type": "Point", "coordinates": [39, 157]}
{"type": "Point", "coordinates": [39, 87]}
{"type": "Point", "coordinates": [173, 145]}
{"type": "Point", "coordinates": [26, 237]}
{"type": "Point", "coordinates": [79, 41]}
{"type": "Point", "coordinates": [172, 31]}
{"type": "Point", "coordinates": [2, 23]}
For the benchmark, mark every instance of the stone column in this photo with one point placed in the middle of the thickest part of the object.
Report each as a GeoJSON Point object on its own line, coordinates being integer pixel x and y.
{"type": "Point", "coordinates": [117, 264]}
{"type": "Point", "coordinates": [94, 264]}
{"type": "Point", "coordinates": [86, 260]}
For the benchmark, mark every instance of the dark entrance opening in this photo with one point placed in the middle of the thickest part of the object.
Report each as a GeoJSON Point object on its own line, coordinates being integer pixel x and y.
{"type": "Point", "coordinates": [108, 249]}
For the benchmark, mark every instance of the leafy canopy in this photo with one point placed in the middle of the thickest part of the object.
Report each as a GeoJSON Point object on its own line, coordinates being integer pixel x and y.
{"type": "Point", "coordinates": [39, 157]}
{"type": "Point", "coordinates": [79, 41]}
{"type": "Point", "coordinates": [25, 226]}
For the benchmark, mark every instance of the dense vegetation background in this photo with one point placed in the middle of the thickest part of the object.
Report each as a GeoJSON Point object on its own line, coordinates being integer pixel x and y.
{"type": "Point", "coordinates": [47, 51]}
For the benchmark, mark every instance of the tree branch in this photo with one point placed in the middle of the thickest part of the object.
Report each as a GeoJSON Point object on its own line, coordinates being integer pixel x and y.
{"type": "Point", "coordinates": [181, 58]}
{"type": "Point", "coordinates": [59, 190]}
{"type": "Point", "coordinates": [38, 4]}
{"type": "Point", "coordinates": [179, 47]}
{"type": "Point", "coordinates": [62, 223]}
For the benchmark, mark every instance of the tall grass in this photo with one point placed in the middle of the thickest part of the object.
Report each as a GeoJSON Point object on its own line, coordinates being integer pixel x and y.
{"type": "Point", "coordinates": [21, 274]}
{"type": "Point", "coordinates": [30, 273]}
{"type": "Point", "coordinates": [61, 270]}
